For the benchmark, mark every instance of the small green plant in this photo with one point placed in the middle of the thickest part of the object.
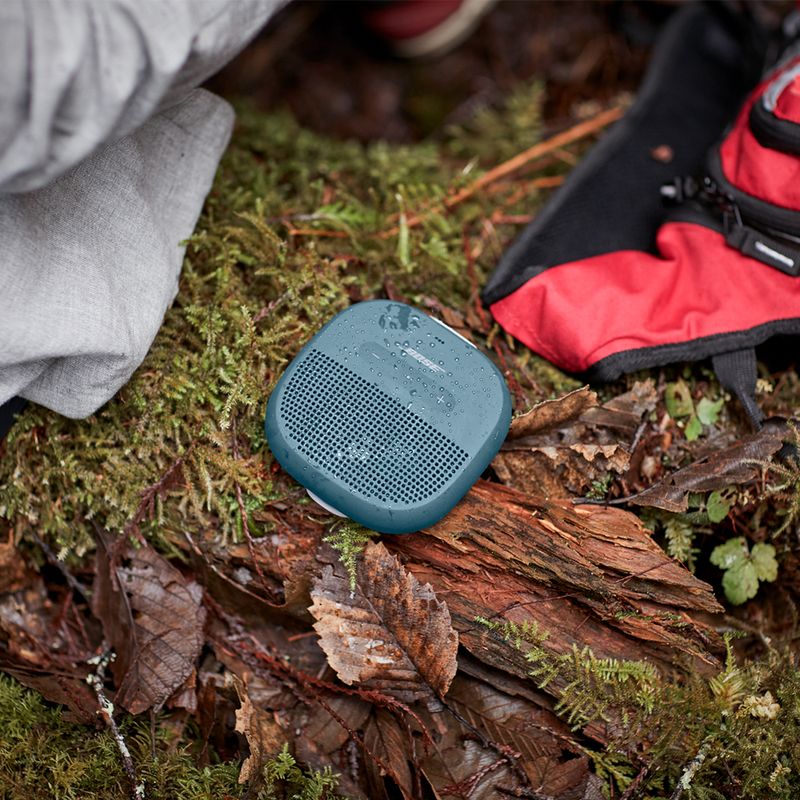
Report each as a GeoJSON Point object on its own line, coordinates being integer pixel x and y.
{"type": "Point", "coordinates": [744, 568]}
{"type": "Point", "coordinates": [680, 405]}
{"type": "Point", "coordinates": [285, 779]}
{"type": "Point", "coordinates": [679, 535]}
{"type": "Point", "coordinates": [680, 530]}
{"type": "Point", "coordinates": [349, 541]}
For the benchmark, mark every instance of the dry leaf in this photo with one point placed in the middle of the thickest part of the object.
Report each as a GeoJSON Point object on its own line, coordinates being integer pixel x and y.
{"type": "Point", "coordinates": [323, 742]}
{"type": "Point", "coordinates": [585, 442]}
{"type": "Point", "coordinates": [153, 618]}
{"type": "Point", "coordinates": [264, 735]}
{"type": "Point", "coordinates": [463, 768]}
{"type": "Point", "coordinates": [552, 414]}
{"type": "Point", "coordinates": [391, 634]}
{"type": "Point", "coordinates": [37, 649]}
{"type": "Point", "coordinates": [560, 471]}
{"type": "Point", "coordinates": [732, 465]}
{"type": "Point", "coordinates": [510, 721]}
{"type": "Point", "coordinates": [386, 739]}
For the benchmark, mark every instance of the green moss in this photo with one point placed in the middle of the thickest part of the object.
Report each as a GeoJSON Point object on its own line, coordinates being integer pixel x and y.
{"type": "Point", "coordinates": [744, 721]}
{"type": "Point", "coordinates": [45, 757]}
{"type": "Point", "coordinates": [161, 455]}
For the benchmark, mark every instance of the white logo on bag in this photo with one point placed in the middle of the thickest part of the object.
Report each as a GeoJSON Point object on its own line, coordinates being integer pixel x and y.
{"type": "Point", "coordinates": [768, 251]}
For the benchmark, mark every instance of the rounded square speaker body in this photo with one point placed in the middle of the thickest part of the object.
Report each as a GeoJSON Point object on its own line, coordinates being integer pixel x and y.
{"type": "Point", "coordinates": [388, 416]}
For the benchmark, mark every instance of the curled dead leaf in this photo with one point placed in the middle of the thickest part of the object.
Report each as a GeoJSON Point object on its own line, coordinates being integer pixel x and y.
{"type": "Point", "coordinates": [391, 634]}
{"type": "Point", "coordinates": [552, 414]}
{"type": "Point", "coordinates": [562, 447]}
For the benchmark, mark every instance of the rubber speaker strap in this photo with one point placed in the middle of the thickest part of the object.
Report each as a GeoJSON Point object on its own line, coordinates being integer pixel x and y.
{"type": "Point", "coordinates": [738, 373]}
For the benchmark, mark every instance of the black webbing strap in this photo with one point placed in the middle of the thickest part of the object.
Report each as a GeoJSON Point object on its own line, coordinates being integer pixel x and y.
{"type": "Point", "coordinates": [8, 413]}
{"type": "Point", "coordinates": [738, 373]}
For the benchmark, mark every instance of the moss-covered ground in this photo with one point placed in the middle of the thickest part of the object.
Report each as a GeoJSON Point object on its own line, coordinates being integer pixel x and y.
{"type": "Point", "coordinates": [297, 227]}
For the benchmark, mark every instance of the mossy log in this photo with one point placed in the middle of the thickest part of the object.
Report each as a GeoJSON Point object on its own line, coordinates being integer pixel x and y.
{"type": "Point", "coordinates": [589, 575]}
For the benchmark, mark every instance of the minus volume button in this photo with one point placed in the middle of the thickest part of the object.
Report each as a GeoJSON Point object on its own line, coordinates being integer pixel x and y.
{"type": "Point", "coordinates": [456, 333]}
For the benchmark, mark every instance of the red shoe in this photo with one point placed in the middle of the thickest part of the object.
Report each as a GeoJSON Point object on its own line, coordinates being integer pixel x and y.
{"type": "Point", "coordinates": [425, 28]}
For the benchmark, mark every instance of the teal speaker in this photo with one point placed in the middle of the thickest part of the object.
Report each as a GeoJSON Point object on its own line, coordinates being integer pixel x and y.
{"type": "Point", "coordinates": [388, 416]}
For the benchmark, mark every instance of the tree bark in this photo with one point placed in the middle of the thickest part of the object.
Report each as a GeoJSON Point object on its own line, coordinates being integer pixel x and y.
{"type": "Point", "coordinates": [588, 575]}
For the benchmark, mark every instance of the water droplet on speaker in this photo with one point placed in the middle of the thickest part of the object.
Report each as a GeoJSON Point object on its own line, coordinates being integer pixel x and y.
{"type": "Point", "coordinates": [413, 392]}
{"type": "Point", "coordinates": [456, 359]}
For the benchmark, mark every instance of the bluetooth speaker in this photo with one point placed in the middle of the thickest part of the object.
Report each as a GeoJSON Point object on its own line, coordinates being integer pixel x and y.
{"type": "Point", "coordinates": [388, 416]}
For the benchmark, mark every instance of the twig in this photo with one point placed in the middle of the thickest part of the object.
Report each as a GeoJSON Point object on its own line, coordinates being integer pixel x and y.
{"type": "Point", "coordinates": [506, 753]}
{"type": "Point", "coordinates": [149, 495]}
{"type": "Point", "coordinates": [691, 769]}
{"type": "Point", "coordinates": [95, 680]}
{"type": "Point", "coordinates": [573, 134]}
{"type": "Point", "coordinates": [547, 147]}
{"type": "Point", "coordinates": [636, 784]}
{"type": "Point", "coordinates": [71, 580]}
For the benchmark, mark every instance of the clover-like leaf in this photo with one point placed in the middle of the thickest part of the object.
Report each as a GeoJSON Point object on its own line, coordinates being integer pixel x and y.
{"type": "Point", "coordinates": [732, 552]}
{"type": "Point", "coordinates": [678, 399]}
{"type": "Point", "coordinates": [740, 582]}
{"type": "Point", "coordinates": [708, 410]}
{"type": "Point", "coordinates": [743, 568]}
{"type": "Point", "coordinates": [764, 562]}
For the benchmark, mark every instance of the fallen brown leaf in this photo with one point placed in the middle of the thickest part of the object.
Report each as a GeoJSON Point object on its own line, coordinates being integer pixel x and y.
{"type": "Point", "coordinates": [39, 651]}
{"type": "Point", "coordinates": [385, 738]}
{"type": "Point", "coordinates": [153, 618]}
{"type": "Point", "coordinates": [391, 634]}
{"type": "Point", "coordinates": [736, 464]}
{"type": "Point", "coordinates": [325, 740]}
{"type": "Point", "coordinates": [552, 414]}
{"type": "Point", "coordinates": [573, 442]}
{"type": "Point", "coordinates": [560, 471]}
{"type": "Point", "coordinates": [509, 721]}
{"type": "Point", "coordinates": [263, 734]}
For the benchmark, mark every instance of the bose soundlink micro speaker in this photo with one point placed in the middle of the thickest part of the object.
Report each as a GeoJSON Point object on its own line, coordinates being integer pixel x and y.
{"type": "Point", "coordinates": [388, 416]}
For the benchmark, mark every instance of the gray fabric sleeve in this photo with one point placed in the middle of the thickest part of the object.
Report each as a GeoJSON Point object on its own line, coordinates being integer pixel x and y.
{"type": "Point", "coordinates": [79, 73]}
{"type": "Point", "coordinates": [91, 262]}
{"type": "Point", "coordinates": [106, 157]}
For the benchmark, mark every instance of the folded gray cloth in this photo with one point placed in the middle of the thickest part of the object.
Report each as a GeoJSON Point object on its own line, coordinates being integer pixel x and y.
{"type": "Point", "coordinates": [106, 156]}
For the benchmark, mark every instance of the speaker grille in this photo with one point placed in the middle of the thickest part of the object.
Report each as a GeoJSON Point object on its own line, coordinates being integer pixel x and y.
{"type": "Point", "coordinates": [354, 431]}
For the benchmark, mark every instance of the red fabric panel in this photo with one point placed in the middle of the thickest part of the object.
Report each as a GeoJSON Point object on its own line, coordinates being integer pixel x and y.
{"type": "Point", "coordinates": [768, 174]}
{"type": "Point", "coordinates": [405, 19]}
{"type": "Point", "coordinates": [788, 105]}
{"type": "Point", "coordinates": [578, 313]}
